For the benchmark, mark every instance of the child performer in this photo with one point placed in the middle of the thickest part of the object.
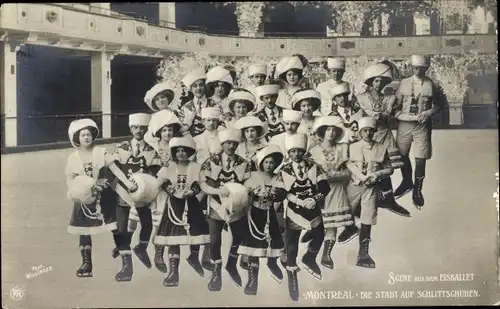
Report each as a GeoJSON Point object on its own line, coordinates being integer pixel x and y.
{"type": "Point", "coordinates": [241, 102]}
{"type": "Point", "coordinates": [132, 157]}
{"type": "Point", "coordinates": [253, 132]}
{"type": "Point", "coordinates": [332, 157]}
{"type": "Point", "coordinates": [381, 107]}
{"type": "Point", "coordinates": [290, 70]}
{"type": "Point", "coordinates": [195, 83]}
{"type": "Point", "coordinates": [369, 163]}
{"type": "Point", "coordinates": [92, 161]}
{"type": "Point", "coordinates": [417, 103]}
{"type": "Point", "coordinates": [258, 75]}
{"type": "Point", "coordinates": [215, 172]}
{"type": "Point", "coordinates": [164, 127]}
{"type": "Point", "coordinates": [308, 102]}
{"type": "Point", "coordinates": [307, 186]}
{"type": "Point", "coordinates": [349, 111]}
{"type": "Point", "coordinates": [183, 221]}
{"type": "Point", "coordinates": [269, 111]}
{"type": "Point", "coordinates": [336, 69]}
{"type": "Point", "coordinates": [264, 240]}
{"type": "Point", "coordinates": [219, 84]}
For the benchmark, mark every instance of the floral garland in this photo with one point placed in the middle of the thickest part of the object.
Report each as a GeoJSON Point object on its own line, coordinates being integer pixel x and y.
{"type": "Point", "coordinates": [249, 15]}
{"type": "Point", "coordinates": [448, 71]}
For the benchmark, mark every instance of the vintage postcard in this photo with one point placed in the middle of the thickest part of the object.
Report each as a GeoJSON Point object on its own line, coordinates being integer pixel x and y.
{"type": "Point", "coordinates": [241, 154]}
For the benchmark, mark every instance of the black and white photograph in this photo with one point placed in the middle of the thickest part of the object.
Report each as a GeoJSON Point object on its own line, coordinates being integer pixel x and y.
{"type": "Point", "coordinates": [249, 154]}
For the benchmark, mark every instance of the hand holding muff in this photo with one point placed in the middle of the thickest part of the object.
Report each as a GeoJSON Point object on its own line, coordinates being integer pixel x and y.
{"type": "Point", "coordinates": [147, 189]}
{"type": "Point", "coordinates": [81, 190]}
{"type": "Point", "coordinates": [237, 200]}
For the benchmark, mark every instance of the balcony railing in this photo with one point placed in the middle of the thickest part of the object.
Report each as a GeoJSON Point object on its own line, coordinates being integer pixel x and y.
{"type": "Point", "coordinates": [49, 129]}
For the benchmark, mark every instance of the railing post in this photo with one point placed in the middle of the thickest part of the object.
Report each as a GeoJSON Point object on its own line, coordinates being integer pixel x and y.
{"type": "Point", "coordinates": [101, 88]}
{"type": "Point", "coordinates": [8, 69]}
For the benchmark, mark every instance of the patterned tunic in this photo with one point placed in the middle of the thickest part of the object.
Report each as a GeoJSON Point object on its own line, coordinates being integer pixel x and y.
{"type": "Point", "coordinates": [192, 115]}
{"type": "Point", "coordinates": [351, 115]}
{"type": "Point", "coordinates": [248, 154]}
{"type": "Point", "coordinates": [313, 184]}
{"type": "Point", "coordinates": [147, 162]}
{"type": "Point", "coordinates": [274, 119]}
{"type": "Point", "coordinates": [214, 174]}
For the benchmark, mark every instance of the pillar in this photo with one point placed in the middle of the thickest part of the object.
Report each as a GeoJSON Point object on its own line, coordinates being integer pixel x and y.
{"type": "Point", "coordinates": [8, 69]}
{"type": "Point", "coordinates": [101, 88]}
{"type": "Point", "coordinates": [105, 6]}
{"type": "Point", "coordinates": [166, 14]}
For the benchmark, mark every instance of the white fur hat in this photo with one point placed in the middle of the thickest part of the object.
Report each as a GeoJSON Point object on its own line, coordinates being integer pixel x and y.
{"type": "Point", "coordinates": [151, 94]}
{"type": "Point", "coordinates": [77, 125]}
{"type": "Point", "coordinates": [298, 140]}
{"type": "Point", "coordinates": [334, 121]}
{"type": "Point", "coordinates": [163, 118]}
{"type": "Point", "coordinates": [185, 141]}
{"type": "Point", "coordinates": [219, 74]}
{"type": "Point", "coordinates": [251, 121]}
{"type": "Point", "coordinates": [233, 135]}
{"type": "Point", "coordinates": [244, 96]}
{"type": "Point", "coordinates": [419, 60]}
{"type": "Point", "coordinates": [255, 69]}
{"type": "Point", "coordinates": [288, 63]}
{"type": "Point", "coordinates": [266, 90]}
{"type": "Point", "coordinates": [339, 89]}
{"type": "Point", "coordinates": [210, 112]}
{"type": "Point", "coordinates": [80, 189]}
{"type": "Point", "coordinates": [270, 149]}
{"type": "Point", "coordinates": [313, 96]}
{"type": "Point", "coordinates": [377, 70]}
{"type": "Point", "coordinates": [139, 119]}
{"type": "Point", "coordinates": [193, 76]}
{"type": "Point", "coordinates": [292, 115]}
{"type": "Point", "coordinates": [367, 122]}
{"type": "Point", "coordinates": [335, 63]}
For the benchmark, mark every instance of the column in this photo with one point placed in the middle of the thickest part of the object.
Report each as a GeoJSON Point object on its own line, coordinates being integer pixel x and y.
{"type": "Point", "coordinates": [104, 6]}
{"type": "Point", "coordinates": [166, 14]}
{"type": "Point", "coordinates": [101, 88]}
{"type": "Point", "coordinates": [8, 69]}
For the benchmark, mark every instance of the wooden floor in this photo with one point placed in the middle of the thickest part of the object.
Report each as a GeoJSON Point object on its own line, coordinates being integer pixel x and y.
{"type": "Point", "coordinates": [455, 233]}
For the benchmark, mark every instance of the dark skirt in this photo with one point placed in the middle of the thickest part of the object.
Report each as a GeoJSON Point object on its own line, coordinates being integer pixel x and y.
{"type": "Point", "coordinates": [252, 246]}
{"type": "Point", "coordinates": [85, 221]}
{"type": "Point", "coordinates": [171, 234]}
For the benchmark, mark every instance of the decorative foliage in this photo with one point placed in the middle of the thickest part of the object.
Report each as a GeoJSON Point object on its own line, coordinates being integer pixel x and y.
{"type": "Point", "coordinates": [249, 16]}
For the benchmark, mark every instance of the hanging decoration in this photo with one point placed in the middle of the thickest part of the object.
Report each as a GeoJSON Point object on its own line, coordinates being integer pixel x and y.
{"type": "Point", "coordinates": [249, 16]}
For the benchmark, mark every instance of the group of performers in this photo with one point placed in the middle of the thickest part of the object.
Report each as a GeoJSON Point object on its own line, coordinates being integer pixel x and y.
{"type": "Point", "coordinates": [264, 163]}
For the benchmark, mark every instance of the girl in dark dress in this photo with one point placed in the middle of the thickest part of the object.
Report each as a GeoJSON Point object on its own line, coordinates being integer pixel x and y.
{"type": "Point", "coordinates": [183, 221]}
{"type": "Point", "coordinates": [264, 239]}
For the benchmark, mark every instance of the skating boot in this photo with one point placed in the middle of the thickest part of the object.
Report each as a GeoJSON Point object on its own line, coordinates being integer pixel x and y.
{"type": "Point", "coordinates": [86, 269]}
